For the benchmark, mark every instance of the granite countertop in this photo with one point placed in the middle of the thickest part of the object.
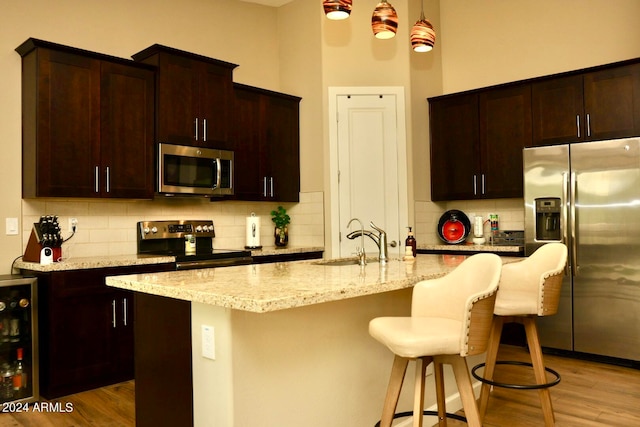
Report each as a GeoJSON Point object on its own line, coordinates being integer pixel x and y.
{"type": "Point", "coordinates": [277, 286]}
{"type": "Point", "coordinates": [82, 263]}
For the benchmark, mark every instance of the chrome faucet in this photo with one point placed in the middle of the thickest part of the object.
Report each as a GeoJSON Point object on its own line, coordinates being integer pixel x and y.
{"type": "Point", "coordinates": [360, 252]}
{"type": "Point", "coordinates": [380, 239]}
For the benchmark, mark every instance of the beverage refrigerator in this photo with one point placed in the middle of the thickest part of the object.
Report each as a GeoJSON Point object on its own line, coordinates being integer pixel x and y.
{"type": "Point", "coordinates": [18, 339]}
{"type": "Point", "coordinates": [587, 195]}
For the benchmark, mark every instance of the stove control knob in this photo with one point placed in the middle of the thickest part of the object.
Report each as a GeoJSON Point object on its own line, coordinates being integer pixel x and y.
{"type": "Point", "coordinates": [210, 228]}
{"type": "Point", "coordinates": [199, 229]}
{"type": "Point", "coordinates": [154, 230]}
{"type": "Point", "coordinates": [146, 230]}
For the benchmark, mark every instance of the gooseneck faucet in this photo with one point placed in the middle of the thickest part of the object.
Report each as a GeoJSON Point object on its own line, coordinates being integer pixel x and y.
{"type": "Point", "coordinates": [380, 240]}
{"type": "Point", "coordinates": [360, 252]}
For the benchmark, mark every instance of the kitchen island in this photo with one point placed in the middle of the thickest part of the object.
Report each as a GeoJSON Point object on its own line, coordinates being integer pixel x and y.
{"type": "Point", "coordinates": [291, 340]}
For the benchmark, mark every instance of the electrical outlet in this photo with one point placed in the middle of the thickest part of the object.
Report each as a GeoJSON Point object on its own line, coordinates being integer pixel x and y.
{"type": "Point", "coordinates": [208, 342]}
{"type": "Point", "coordinates": [73, 225]}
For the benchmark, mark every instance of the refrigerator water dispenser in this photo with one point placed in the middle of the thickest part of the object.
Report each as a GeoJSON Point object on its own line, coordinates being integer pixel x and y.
{"type": "Point", "coordinates": [548, 219]}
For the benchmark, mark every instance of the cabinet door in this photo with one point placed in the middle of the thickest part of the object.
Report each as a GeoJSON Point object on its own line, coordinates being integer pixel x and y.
{"type": "Point", "coordinates": [123, 354]}
{"type": "Point", "coordinates": [248, 139]}
{"type": "Point", "coordinates": [612, 102]}
{"type": "Point", "coordinates": [454, 147]}
{"type": "Point", "coordinates": [177, 100]}
{"type": "Point", "coordinates": [66, 120]}
{"type": "Point", "coordinates": [557, 110]}
{"type": "Point", "coordinates": [283, 148]}
{"type": "Point", "coordinates": [216, 100]}
{"type": "Point", "coordinates": [505, 130]}
{"type": "Point", "coordinates": [127, 121]}
{"type": "Point", "coordinates": [80, 333]}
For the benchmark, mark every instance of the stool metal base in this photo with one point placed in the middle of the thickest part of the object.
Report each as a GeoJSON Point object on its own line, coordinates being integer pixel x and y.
{"type": "Point", "coordinates": [555, 381]}
{"type": "Point", "coordinates": [434, 413]}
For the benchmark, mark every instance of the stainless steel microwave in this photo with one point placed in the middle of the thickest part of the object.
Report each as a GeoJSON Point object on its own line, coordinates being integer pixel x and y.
{"type": "Point", "coordinates": [186, 170]}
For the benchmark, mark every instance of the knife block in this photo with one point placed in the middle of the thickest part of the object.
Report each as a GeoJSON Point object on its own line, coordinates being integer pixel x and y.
{"type": "Point", "coordinates": [34, 248]}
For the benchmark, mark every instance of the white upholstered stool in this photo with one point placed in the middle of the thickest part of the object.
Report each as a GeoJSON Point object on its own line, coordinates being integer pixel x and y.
{"type": "Point", "coordinates": [528, 289]}
{"type": "Point", "coordinates": [450, 319]}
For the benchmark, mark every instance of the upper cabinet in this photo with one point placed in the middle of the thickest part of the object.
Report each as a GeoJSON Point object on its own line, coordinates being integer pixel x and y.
{"type": "Point", "coordinates": [476, 143]}
{"type": "Point", "coordinates": [194, 97]}
{"type": "Point", "coordinates": [87, 123]}
{"type": "Point", "coordinates": [266, 139]}
{"type": "Point", "coordinates": [588, 106]}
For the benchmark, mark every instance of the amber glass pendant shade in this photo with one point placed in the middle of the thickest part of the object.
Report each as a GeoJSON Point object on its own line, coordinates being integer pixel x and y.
{"type": "Point", "coordinates": [384, 21]}
{"type": "Point", "coordinates": [337, 9]}
{"type": "Point", "coordinates": [423, 36]}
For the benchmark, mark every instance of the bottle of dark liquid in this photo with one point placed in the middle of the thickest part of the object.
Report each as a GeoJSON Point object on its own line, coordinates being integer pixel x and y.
{"type": "Point", "coordinates": [19, 376]}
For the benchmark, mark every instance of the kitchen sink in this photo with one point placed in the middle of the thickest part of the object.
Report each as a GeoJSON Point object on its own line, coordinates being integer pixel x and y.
{"type": "Point", "coordinates": [348, 261]}
{"type": "Point", "coordinates": [338, 262]}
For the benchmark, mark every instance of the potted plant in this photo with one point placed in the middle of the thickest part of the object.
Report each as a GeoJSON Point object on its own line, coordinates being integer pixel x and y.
{"type": "Point", "coordinates": [281, 220]}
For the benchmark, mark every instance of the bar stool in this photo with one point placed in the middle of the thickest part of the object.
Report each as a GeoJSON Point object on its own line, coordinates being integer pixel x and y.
{"type": "Point", "coordinates": [528, 289]}
{"type": "Point", "coordinates": [450, 319]}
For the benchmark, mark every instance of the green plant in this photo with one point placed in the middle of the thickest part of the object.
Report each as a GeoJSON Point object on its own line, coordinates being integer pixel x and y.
{"type": "Point", "coordinates": [280, 217]}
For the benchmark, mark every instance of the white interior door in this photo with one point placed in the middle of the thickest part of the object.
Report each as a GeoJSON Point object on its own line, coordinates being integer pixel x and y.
{"type": "Point", "coordinates": [371, 179]}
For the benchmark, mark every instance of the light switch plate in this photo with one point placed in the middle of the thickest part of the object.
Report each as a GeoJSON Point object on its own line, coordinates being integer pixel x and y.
{"type": "Point", "coordinates": [208, 342]}
{"type": "Point", "coordinates": [12, 226]}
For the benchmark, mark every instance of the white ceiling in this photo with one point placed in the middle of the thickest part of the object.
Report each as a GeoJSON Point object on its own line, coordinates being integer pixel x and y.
{"type": "Point", "coordinates": [273, 3]}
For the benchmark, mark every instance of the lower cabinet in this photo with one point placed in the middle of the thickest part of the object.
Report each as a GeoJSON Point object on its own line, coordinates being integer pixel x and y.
{"type": "Point", "coordinates": [85, 329]}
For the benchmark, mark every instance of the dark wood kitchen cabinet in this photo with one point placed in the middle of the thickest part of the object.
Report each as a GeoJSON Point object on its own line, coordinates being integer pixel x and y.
{"type": "Point", "coordinates": [85, 329]}
{"type": "Point", "coordinates": [194, 97]}
{"type": "Point", "coordinates": [266, 136]}
{"type": "Point", "coordinates": [87, 123]}
{"type": "Point", "coordinates": [477, 139]}
{"type": "Point", "coordinates": [587, 106]}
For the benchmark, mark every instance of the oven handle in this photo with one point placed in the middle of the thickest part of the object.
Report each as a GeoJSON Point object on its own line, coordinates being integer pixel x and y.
{"type": "Point", "coordinates": [211, 263]}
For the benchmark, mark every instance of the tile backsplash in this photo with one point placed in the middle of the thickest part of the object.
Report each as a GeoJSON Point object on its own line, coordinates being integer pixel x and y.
{"type": "Point", "coordinates": [427, 215]}
{"type": "Point", "coordinates": [108, 227]}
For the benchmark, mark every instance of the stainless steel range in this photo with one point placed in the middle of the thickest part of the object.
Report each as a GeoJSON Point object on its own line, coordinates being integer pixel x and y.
{"type": "Point", "coordinates": [190, 242]}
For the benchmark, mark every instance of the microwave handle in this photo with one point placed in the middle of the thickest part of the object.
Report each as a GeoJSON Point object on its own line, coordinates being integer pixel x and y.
{"type": "Point", "coordinates": [218, 173]}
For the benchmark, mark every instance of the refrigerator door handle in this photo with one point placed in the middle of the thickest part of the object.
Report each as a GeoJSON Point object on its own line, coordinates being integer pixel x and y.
{"type": "Point", "coordinates": [574, 243]}
{"type": "Point", "coordinates": [565, 214]}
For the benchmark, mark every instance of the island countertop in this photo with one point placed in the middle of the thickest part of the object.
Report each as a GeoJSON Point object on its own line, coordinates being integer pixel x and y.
{"type": "Point", "coordinates": [277, 286]}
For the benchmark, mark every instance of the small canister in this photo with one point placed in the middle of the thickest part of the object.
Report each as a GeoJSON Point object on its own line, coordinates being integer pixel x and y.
{"type": "Point", "coordinates": [189, 244]}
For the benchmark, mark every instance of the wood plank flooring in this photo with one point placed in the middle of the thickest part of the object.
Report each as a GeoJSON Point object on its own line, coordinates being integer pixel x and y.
{"type": "Point", "coordinates": [112, 406]}
{"type": "Point", "coordinates": [590, 394]}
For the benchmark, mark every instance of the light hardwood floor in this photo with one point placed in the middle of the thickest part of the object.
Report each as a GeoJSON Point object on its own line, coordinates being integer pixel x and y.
{"type": "Point", "coordinates": [590, 395]}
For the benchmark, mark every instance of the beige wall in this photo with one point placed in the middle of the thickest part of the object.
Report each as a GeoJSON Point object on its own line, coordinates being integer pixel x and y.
{"type": "Point", "coordinates": [490, 42]}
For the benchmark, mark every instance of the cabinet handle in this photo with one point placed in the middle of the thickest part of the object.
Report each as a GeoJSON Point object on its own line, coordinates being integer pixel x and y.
{"type": "Point", "coordinates": [578, 124]}
{"type": "Point", "coordinates": [482, 184]}
{"type": "Point", "coordinates": [475, 184]}
{"type": "Point", "coordinates": [588, 125]}
{"type": "Point", "coordinates": [196, 129]}
{"type": "Point", "coordinates": [113, 313]}
{"type": "Point", "coordinates": [108, 180]}
{"type": "Point", "coordinates": [264, 186]}
{"type": "Point", "coordinates": [204, 130]}
{"type": "Point", "coordinates": [124, 311]}
{"type": "Point", "coordinates": [97, 179]}
{"type": "Point", "coordinates": [271, 181]}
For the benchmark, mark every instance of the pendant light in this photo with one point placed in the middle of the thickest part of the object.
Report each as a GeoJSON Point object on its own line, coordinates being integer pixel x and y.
{"type": "Point", "coordinates": [423, 36]}
{"type": "Point", "coordinates": [384, 21]}
{"type": "Point", "coordinates": [337, 9]}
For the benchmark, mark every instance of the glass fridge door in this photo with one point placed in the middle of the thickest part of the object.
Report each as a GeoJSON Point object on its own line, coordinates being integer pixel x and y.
{"type": "Point", "coordinates": [18, 339]}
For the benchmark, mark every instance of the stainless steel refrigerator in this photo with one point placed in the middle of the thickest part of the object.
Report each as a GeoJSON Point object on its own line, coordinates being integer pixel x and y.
{"type": "Point", "coordinates": [587, 195]}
